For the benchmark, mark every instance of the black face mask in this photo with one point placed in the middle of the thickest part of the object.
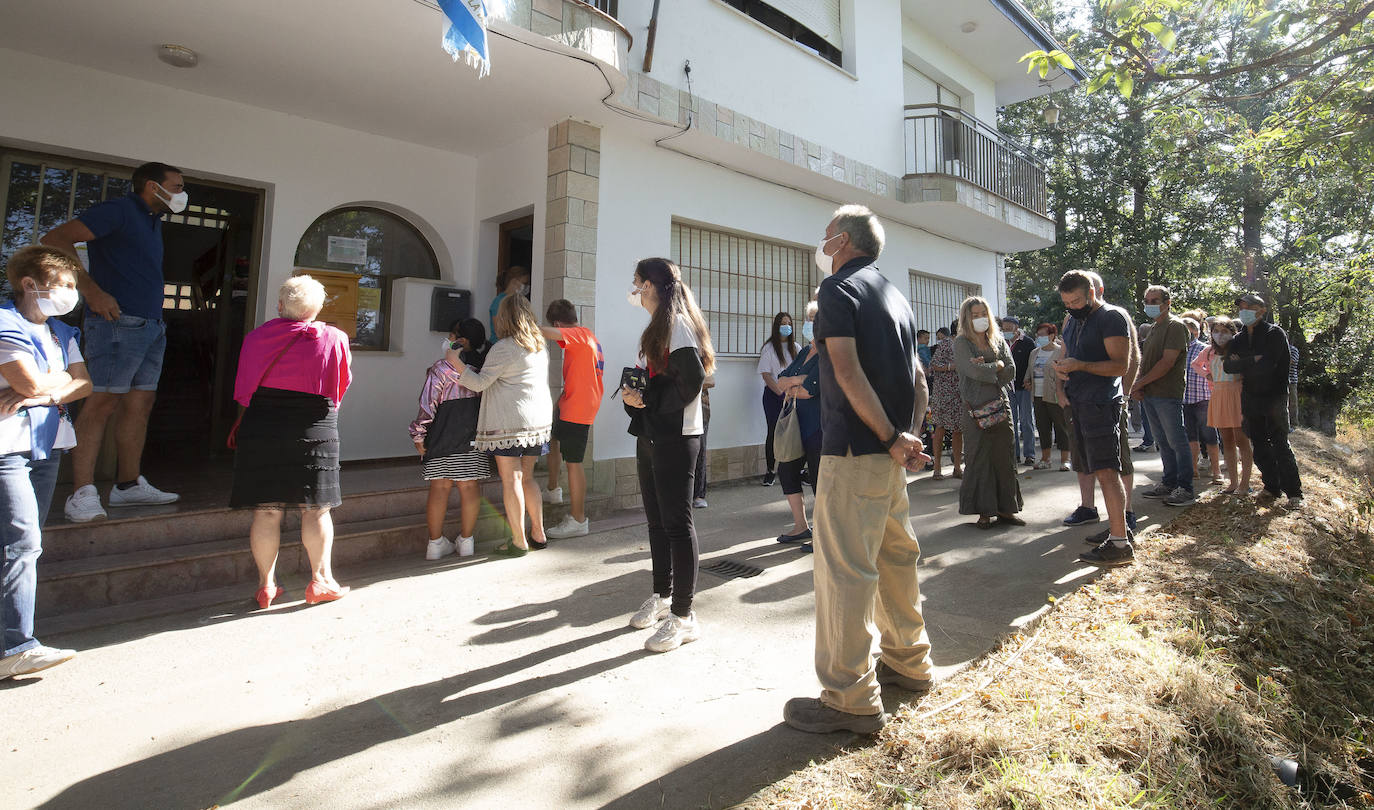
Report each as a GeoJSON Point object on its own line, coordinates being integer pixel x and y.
{"type": "Point", "coordinates": [1081, 312]}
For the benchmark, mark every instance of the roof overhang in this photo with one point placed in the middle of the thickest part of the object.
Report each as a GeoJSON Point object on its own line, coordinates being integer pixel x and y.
{"type": "Point", "coordinates": [1002, 31]}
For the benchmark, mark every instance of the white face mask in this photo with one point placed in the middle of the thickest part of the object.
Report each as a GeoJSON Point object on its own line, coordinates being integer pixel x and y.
{"type": "Point", "coordinates": [634, 297]}
{"type": "Point", "coordinates": [824, 262]}
{"type": "Point", "coordinates": [57, 301]}
{"type": "Point", "coordinates": [446, 346]}
{"type": "Point", "coordinates": [525, 290]}
{"type": "Point", "coordinates": [176, 202]}
{"type": "Point", "coordinates": [981, 324]}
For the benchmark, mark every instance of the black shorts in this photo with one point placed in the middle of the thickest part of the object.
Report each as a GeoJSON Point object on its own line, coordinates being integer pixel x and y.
{"type": "Point", "coordinates": [572, 440]}
{"type": "Point", "coordinates": [1099, 438]}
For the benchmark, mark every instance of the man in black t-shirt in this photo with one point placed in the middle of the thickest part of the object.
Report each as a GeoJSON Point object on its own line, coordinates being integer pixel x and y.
{"type": "Point", "coordinates": [1096, 354]}
{"type": "Point", "coordinates": [873, 394]}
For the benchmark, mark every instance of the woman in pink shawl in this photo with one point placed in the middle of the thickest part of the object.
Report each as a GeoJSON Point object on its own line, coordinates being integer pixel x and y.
{"type": "Point", "coordinates": [293, 372]}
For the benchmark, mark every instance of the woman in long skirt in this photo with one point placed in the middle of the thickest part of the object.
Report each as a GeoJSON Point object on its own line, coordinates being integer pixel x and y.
{"type": "Point", "coordinates": [984, 362]}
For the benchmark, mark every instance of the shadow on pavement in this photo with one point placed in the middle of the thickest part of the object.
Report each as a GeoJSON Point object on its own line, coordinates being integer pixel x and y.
{"type": "Point", "coordinates": [245, 762]}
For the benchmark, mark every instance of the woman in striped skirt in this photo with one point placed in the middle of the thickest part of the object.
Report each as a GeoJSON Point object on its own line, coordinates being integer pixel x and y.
{"type": "Point", "coordinates": [443, 432]}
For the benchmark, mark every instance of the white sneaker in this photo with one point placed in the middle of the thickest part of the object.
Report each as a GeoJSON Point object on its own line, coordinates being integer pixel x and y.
{"type": "Point", "coordinates": [464, 546]}
{"type": "Point", "coordinates": [141, 494]}
{"type": "Point", "coordinates": [699, 503]}
{"type": "Point", "coordinates": [653, 609]}
{"type": "Point", "coordinates": [34, 659]}
{"type": "Point", "coordinates": [569, 528]}
{"type": "Point", "coordinates": [84, 505]}
{"type": "Point", "coordinates": [439, 548]}
{"type": "Point", "coordinates": [673, 633]}
{"type": "Point", "coordinates": [554, 495]}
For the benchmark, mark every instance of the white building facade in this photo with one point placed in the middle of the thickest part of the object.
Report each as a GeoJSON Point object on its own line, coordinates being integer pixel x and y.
{"type": "Point", "coordinates": [331, 136]}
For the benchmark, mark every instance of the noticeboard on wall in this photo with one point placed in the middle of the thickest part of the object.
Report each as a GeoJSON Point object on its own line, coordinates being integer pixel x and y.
{"type": "Point", "coordinates": [340, 298]}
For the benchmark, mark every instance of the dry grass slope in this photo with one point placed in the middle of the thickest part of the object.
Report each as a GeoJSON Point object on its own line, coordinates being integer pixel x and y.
{"type": "Point", "coordinates": [1240, 634]}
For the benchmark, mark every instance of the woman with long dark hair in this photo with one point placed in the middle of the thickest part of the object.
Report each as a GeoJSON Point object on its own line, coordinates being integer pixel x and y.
{"type": "Point", "coordinates": [666, 417]}
{"type": "Point", "coordinates": [778, 353]}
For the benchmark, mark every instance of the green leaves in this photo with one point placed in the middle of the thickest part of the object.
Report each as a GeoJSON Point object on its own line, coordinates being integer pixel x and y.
{"type": "Point", "coordinates": [1162, 33]}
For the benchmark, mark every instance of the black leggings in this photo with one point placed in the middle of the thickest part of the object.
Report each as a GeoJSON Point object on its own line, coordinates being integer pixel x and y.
{"type": "Point", "coordinates": [667, 473]}
{"type": "Point", "coordinates": [789, 472]}
{"type": "Point", "coordinates": [772, 408]}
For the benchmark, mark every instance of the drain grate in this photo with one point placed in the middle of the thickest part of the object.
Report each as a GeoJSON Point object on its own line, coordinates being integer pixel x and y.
{"type": "Point", "coordinates": [729, 569]}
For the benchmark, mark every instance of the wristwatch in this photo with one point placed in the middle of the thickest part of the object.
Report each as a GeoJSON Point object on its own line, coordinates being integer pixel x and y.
{"type": "Point", "coordinates": [887, 445]}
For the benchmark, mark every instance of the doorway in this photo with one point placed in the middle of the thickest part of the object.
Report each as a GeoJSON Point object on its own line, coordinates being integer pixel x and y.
{"type": "Point", "coordinates": [516, 244]}
{"type": "Point", "coordinates": [210, 262]}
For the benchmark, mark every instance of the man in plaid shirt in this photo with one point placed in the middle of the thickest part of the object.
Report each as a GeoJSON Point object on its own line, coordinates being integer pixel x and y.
{"type": "Point", "coordinates": [1197, 396]}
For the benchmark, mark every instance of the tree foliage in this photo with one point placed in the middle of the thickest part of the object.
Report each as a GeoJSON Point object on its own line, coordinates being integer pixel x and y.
{"type": "Point", "coordinates": [1218, 146]}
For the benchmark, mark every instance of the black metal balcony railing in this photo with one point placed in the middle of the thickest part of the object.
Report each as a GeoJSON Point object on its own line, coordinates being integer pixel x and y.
{"type": "Point", "coordinates": [946, 141]}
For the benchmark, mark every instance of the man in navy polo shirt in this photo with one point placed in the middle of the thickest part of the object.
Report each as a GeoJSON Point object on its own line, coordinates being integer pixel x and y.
{"type": "Point", "coordinates": [125, 335]}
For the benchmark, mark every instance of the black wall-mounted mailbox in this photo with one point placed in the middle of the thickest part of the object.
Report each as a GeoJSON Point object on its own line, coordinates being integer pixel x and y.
{"type": "Point", "coordinates": [446, 305]}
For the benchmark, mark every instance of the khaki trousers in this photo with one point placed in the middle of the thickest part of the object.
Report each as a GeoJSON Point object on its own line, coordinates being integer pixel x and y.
{"type": "Point", "coordinates": [865, 569]}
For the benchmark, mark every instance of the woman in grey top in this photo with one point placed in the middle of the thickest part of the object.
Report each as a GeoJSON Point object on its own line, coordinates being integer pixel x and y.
{"type": "Point", "coordinates": [983, 360]}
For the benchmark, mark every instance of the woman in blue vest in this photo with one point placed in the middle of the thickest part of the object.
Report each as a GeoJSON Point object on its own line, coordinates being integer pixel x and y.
{"type": "Point", "coordinates": [41, 370]}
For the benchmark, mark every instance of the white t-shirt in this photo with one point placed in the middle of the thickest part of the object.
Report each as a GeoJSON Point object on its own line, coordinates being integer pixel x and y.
{"type": "Point", "coordinates": [684, 336]}
{"type": "Point", "coordinates": [1042, 359]}
{"type": "Point", "coordinates": [769, 362]}
{"type": "Point", "coordinates": [16, 435]}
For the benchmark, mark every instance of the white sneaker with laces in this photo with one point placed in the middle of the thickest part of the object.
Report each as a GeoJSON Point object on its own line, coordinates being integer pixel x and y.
{"type": "Point", "coordinates": [84, 505]}
{"type": "Point", "coordinates": [34, 659]}
{"type": "Point", "coordinates": [464, 546]}
{"type": "Point", "coordinates": [673, 633]}
{"type": "Point", "coordinates": [569, 528]}
{"type": "Point", "coordinates": [439, 548]}
{"type": "Point", "coordinates": [141, 494]}
{"type": "Point", "coordinates": [554, 495]}
{"type": "Point", "coordinates": [653, 609]}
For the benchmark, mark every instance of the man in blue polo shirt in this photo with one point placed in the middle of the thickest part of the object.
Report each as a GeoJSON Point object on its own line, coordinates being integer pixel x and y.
{"type": "Point", "coordinates": [125, 335]}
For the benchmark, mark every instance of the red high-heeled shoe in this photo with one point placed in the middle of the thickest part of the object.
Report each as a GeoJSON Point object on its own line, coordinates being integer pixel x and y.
{"type": "Point", "coordinates": [316, 593]}
{"type": "Point", "coordinates": [265, 598]}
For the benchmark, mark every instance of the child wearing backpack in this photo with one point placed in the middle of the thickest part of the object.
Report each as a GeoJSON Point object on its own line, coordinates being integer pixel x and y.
{"type": "Point", "coordinates": [443, 432]}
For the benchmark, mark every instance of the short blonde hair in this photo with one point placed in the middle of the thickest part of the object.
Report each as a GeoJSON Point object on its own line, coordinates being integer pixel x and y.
{"type": "Point", "coordinates": [301, 298]}
{"type": "Point", "coordinates": [41, 263]}
{"type": "Point", "coordinates": [811, 308]}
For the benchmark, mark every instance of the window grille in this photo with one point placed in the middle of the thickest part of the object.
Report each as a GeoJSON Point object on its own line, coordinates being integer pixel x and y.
{"type": "Point", "coordinates": [741, 282]}
{"type": "Point", "coordinates": [936, 300]}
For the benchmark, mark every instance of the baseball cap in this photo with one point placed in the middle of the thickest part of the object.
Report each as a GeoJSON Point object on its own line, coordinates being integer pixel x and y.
{"type": "Point", "coordinates": [1251, 299]}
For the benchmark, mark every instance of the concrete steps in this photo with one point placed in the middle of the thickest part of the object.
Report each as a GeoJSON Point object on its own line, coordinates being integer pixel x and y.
{"type": "Point", "coordinates": [153, 559]}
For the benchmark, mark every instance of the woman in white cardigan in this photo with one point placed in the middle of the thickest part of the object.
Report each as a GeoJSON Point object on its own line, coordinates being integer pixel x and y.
{"type": "Point", "coordinates": [516, 417]}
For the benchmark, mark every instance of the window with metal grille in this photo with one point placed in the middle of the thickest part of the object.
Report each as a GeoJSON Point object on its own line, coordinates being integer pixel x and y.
{"type": "Point", "coordinates": [936, 300]}
{"type": "Point", "coordinates": [741, 282]}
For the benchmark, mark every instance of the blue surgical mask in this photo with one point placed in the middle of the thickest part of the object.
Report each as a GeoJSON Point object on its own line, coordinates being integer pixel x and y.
{"type": "Point", "coordinates": [1042, 340]}
{"type": "Point", "coordinates": [1009, 336]}
{"type": "Point", "coordinates": [785, 330]}
{"type": "Point", "coordinates": [1152, 310]}
{"type": "Point", "coordinates": [1248, 316]}
{"type": "Point", "coordinates": [808, 331]}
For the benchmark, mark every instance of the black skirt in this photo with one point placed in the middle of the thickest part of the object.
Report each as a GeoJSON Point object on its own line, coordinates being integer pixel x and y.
{"type": "Point", "coordinates": [288, 452]}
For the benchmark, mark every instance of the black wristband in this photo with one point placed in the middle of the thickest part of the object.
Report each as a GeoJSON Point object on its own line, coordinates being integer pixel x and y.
{"type": "Point", "coordinates": [887, 445]}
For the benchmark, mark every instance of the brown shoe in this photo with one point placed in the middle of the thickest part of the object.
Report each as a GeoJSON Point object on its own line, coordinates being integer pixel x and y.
{"type": "Point", "coordinates": [810, 715]}
{"type": "Point", "coordinates": [887, 676]}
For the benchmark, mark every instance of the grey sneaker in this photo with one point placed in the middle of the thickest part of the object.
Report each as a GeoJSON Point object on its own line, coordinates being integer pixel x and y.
{"type": "Point", "coordinates": [1180, 497]}
{"type": "Point", "coordinates": [673, 632]}
{"type": "Point", "coordinates": [1109, 555]}
{"type": "Point", "coordinates": [809, 714]}
{"type": "Point", "coordinates": [1160, 491]}
{"type": "Point", "coordinates": [653, 609]}
{"type": "Point", "coordinates": [1295, 502]}
{"type": "Point", "coordinates": [887, 676]}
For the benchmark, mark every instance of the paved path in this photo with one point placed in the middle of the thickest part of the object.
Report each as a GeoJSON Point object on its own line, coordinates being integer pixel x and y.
{"type": "Point", "coordinates": [503, 683]}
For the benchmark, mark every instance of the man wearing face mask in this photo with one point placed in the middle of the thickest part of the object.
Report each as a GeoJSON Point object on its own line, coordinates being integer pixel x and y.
{"type": "Point", "coordinates": [1160, 388]}
{"type": "Point", "coordinates": [125, 336]}
{"type": "Point", "coordinates": [873, 393]}
{"type": "Point", "coordinates": [1022, 413]}
{"type": "Point", "coordinates": [1260, 353]}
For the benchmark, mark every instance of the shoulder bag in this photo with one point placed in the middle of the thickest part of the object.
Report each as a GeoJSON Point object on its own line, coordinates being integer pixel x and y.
{"type": "Point", "coordinates": [787, 439]}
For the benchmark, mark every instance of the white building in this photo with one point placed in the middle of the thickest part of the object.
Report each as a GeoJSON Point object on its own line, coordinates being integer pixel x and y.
{"type": "Point", "coordinates": [319, 118]}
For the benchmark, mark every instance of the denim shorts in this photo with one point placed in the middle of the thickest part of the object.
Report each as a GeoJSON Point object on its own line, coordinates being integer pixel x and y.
{"type": "Point", "coordinates": [124, 355]}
